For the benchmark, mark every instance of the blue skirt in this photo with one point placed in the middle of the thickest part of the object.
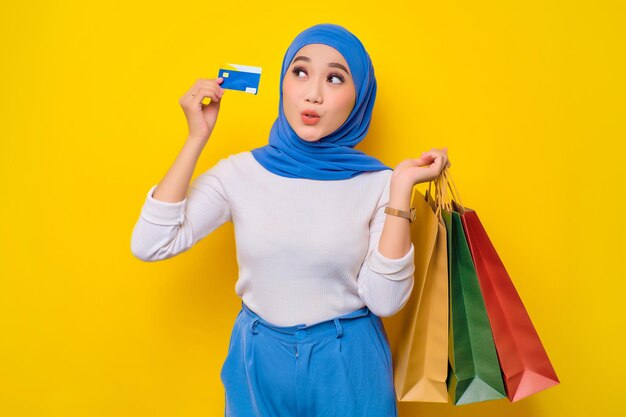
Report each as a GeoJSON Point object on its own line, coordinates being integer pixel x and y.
{"type": "Point", "coordinates": [340, 367]}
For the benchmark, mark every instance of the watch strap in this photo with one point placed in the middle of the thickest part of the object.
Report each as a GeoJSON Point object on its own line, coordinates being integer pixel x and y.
{"type": "Point", "coordinates": [401, 213]}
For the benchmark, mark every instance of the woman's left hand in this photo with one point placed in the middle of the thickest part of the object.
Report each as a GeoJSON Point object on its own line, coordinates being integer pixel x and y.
{"type": "Point", "coordinates": [423, 169]}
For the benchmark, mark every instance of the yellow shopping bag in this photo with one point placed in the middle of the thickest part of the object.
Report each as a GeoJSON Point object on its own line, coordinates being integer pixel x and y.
{"type": "Point", "coordinates": [418, 333]}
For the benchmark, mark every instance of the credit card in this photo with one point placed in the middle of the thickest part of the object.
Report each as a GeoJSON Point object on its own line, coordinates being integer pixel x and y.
{"type": "Point", "coordinates": [240, 77]}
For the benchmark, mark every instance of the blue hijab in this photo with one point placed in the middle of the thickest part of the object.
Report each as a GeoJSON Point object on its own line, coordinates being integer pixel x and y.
{"type": "Point", "coordinates": [333, 157]}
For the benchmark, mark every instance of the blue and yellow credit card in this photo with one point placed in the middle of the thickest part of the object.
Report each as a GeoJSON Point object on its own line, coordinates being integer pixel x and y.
{"type": "Point", "coordinates": [240, 77]}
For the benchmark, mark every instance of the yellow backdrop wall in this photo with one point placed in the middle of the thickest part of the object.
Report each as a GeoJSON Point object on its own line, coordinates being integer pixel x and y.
{"type": "Point", "coordinates": [527, 96]}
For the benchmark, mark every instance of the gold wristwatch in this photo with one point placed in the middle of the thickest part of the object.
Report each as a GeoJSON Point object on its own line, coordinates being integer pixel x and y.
{"type": "Point", "coordinates": [401, 213]}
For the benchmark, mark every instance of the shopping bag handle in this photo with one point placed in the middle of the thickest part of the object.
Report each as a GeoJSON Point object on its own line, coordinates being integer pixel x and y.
{"type": "Point", "coordinates": [441, 196]}
{"type": "Point", "coordinates": [438, 200]}
{"type": "Point", "coordinates": [443, 193]}
{"type": "Point", "coordinates": [447, 176]}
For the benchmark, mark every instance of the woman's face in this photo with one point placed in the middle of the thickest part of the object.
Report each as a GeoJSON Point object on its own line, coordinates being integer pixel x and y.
{"type": "Point", "coordinates": [318, 91]}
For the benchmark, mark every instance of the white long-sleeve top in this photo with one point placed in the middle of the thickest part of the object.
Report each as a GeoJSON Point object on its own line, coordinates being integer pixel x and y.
{"type": "Point", "coordinates": [307, 250]}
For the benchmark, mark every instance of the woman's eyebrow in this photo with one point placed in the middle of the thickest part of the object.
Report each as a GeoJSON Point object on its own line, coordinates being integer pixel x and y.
{"type": "Point", "coordinates": [332, 64]}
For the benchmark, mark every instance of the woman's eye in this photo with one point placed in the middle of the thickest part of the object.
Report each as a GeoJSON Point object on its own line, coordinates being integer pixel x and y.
{"type": "Point", "coordinates": [337, 77]}
{"type": "Point", "coordinates": [333, 78]}
{"type": "Point", "coordinates": [297, 71]}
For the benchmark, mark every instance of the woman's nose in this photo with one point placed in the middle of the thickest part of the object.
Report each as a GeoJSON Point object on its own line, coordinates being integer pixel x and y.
{"type": "Point", "coordinates": [314, 94]}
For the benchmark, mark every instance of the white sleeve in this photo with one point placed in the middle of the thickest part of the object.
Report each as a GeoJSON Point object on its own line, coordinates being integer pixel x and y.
{"type": "Point", "coordinates": [385, 284]}
{"type": "Point", "coordinates": [166, 229]}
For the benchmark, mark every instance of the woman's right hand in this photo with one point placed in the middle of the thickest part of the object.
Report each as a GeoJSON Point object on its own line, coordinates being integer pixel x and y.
{"type": "Point", "coordinates": [201, 118]}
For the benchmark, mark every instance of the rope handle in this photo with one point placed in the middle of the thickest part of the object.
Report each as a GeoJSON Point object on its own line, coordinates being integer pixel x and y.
{"type": "Point", "coordinates": [446, 198]}
{"type": "Point", "coordinates": [442, 198]}
{"type": "Point", "coordinates": [437, 199]}
{"type": "Point", "coordinates": [455, 193]}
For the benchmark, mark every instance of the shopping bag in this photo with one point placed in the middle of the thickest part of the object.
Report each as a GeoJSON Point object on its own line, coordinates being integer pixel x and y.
{"type": "Point", "coordinates": [418, 333]}
{"type": "Point", "coordinates": [523, 360]}
{"type": "Point", "coordinates": [474, 373]}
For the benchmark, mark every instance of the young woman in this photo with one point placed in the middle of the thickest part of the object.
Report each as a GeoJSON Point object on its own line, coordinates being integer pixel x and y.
{"type": "Point", "coordinates": [322, 236]}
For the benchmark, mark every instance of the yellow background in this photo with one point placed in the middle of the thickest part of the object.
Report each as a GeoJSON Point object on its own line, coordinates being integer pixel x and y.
{"type": "Point", "coordinates": [528, 97]}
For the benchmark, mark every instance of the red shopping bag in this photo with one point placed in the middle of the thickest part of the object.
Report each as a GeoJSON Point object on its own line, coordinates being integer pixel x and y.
{"type": "Point", "coordinates": [524, 362]}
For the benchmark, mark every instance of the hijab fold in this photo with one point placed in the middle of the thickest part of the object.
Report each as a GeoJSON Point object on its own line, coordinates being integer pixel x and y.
{"type": "Point", "coordinates": [332, 157]}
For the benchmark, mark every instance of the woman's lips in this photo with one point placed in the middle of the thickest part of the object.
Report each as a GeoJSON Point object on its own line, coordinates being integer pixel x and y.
{"type": "Point", "coordinates": [309, 117]}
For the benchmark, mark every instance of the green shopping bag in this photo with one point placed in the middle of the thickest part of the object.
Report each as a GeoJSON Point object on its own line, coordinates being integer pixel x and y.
{"type": "Point", "coordinates": [474, 374]}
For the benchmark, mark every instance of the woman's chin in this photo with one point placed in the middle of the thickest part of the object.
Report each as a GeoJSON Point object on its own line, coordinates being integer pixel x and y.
{"type": "Point", "coordinates": [307, 136]}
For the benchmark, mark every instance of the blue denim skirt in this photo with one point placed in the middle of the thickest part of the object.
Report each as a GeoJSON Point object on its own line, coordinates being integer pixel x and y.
{"type": "Point", "coordinates": [339, 367]}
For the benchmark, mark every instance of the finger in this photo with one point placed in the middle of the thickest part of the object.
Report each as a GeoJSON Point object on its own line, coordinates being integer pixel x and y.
{"type": "Point", "coordinates": [423, 160]}
{"type": "Point", "coordinates": [203, 92]}
{"type": "Point", "coordinates": [432, 154]}
{"type": "Point", "coordinates": [212, 83]}
{"type": "Point", "coordinates": [438, 163]}
{"type": "Point", "coordinates": [443, 165]}
{"type": "Point", "coordinates": [217, 90]}
{"type": "Point", "coordinates": [204, 83]}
